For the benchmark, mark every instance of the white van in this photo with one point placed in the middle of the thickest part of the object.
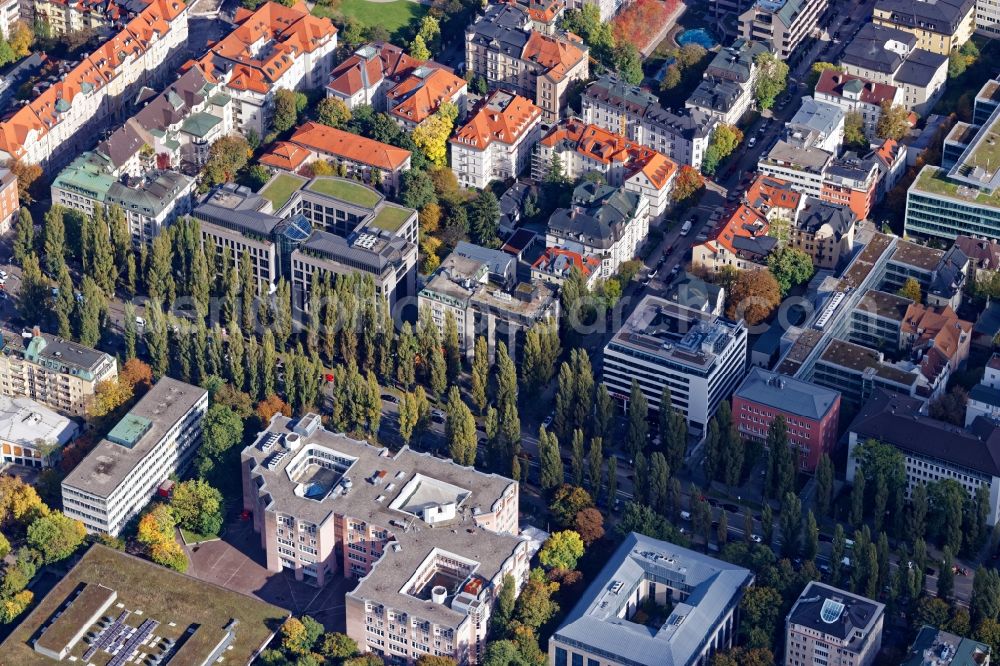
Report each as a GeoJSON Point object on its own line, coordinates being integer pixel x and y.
{"type": "Point", "coordinates": [685, 515]}
{"type": "Point", "coordinates": [686, 229]}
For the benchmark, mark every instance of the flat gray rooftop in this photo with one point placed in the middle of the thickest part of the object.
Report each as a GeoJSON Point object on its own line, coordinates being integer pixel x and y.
{"type": "Point", "coordinates": [109, 463]}
{"type": "Point", "coordinates": [714, 588]}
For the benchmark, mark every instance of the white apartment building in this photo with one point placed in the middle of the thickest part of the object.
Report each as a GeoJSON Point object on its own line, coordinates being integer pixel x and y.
{"type": "Point", "coordinates": [988, 18]}
{"type": "Point", "coordinates": [31, 434]}
{"type": "Point", "coordinates": [271, 48]}
{"type": "Point", "coordinates": [10, 11]}
{"type": "Point", "coordinates": [702, 357]}
{"type": "Point", "coordinates": [55, 125]}
{"type": "Point", "coordinates": [727, 90]}
{"type": "Point", "coordinates": [496, 142]}
{"type": "Point", "coordinates": [830, 626]}
{"type": "Point", "coordinates": [635, 113]}
{"type": "Point", "coordinates": [429, 541]}
{"type": "Point", "coordinates": [854, 93]}
{"type": "Point", "coordinates": [156, 439]}
{"type": "Point", "coordinates": [55, 372]}
{"type": "Point", "coordinates": [933, 450]}
{"type": "Point", "coordinates": [802, 168]}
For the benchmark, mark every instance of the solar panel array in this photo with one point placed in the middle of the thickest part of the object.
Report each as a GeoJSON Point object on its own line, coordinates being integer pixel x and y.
{"type": "Point", "coordinates": [138, 638]}
{"type": "Point", "coordinates": [107, 635]}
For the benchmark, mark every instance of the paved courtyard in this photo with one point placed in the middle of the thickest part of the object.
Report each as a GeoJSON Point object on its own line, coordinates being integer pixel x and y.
{"type": "Point", "coordinates": [237, 563]}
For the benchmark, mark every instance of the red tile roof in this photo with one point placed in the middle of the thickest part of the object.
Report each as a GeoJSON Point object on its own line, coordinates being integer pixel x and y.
{"type": "Point", "coordinates": [772, 193]}
{"type": "Point", "coordinates": [831, 82]}
{"type": "Point", "coordinates": [329, 141]}
{"type": "Point", "coordinates": [388, 62]}
{"type": "Point", "coordinates": [284, 155]}
{"type": "Point", "coordinates": [491, 123]}
{"type": "Point", "coordinates": [557, 56]}
{"type": "Point", "coordinates": [607, 147]}
{"type": "Point", "coordinates": [587, 265]}
{"type": "Point", "coordinates": [420, 95]}
{"type": "Point", "coordinates": [744, 222]}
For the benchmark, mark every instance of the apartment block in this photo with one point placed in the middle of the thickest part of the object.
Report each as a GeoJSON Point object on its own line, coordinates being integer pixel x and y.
{"type": "Point", "coordinates": [605, 222]}
{"type": "Point", "coordinates": [817, 123]}
{"type": "Point", "coordinates": [933, 450]}
{"type": "Point", "coordinates": [497, 141]}
{"type": "Point", "coordinates": [943, 648]}
{"type": "Point", "coordinates": [271, 48]}
{"type": "Point", "coordinates": [55, 372]}
{"type": "Point", "coordinates": [831, 625]}
{"type": "Point", "coordinates": [811, 412]}
{"type": "Point", "coordinates": [984, 398]}
{"type": "Point", "coordinates": [781, 25]}
{"type": "Point", "coordinates": [155, 440]}
{"type": "Point", "coordinates": [743, 242]}
{"type": "Point", "coordinates": [65, 117]}
{"type": "Point", "coordinates": [727, 87]}
{"type": "Point", "coordinates": [824, 231]}
{"type": "Point", "coordinates": [582, 148]}
{"type": "Point", "coordinates": [605, 627]}
{"type": "Point", "coordinates": [150, 203]}
{"type": "Point", "coordinates": [372, 162]}
{"type": "Point", "coordinates": [613, 104]}
{"type": "Point", "coordinates": [891, 56]}
{"type": "Point", "coordinates": [502, 47]}
{"type": "Point", "coordinates": [481, 290]}
{"type": "Point", "coordinates": [64, 17]}
{"type": "Point", "coordinates": [856, 94]}
{"type": "Point", "coordinates": [430, 541]}
{"type": "Point", "coordinates": [701, 356]}
{"type": "Point", "coordinates": [31, 434]}
{"type": "Point", "coordinates": [939, 27]}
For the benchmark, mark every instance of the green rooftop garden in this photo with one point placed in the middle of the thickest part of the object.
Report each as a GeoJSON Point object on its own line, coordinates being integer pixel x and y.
{"type": "Point", "coordinates": [281, 188]}
{"type": "Point", "coordinates": [987, 154]}
{"type": "Point", "coordinates": [345, 190]}
{"type": "Point", "coordinates": [935, 180]}
{"type": "Point", "coordinates": [391, 218]}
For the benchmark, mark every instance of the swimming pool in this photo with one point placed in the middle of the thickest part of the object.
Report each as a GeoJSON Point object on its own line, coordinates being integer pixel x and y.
{"type": "Point", "coordinates": [698, 36]}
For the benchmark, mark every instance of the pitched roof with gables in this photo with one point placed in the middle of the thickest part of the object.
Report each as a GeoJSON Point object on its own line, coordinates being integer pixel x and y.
{"type": "Point", "coordinates": [422, 93]}
{"type": "Point", "coordinates": [330, 141]}
{"type": "Point", "coordinates": [502, 117]}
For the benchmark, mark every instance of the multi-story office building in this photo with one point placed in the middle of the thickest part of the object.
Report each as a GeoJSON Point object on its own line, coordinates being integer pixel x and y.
{"type": "Point", "coordinates": [781, 25]}
{"type": "Point", "coordinates": [150, 204]}
{"type": "Point", "coordinates": [155, 440]}
{"type": "Point", "coordinates": [430, 541]}
{"type": "Point", "coordinates": [636, 113]}
{"type": "Point", "coordinates": [55, 372]}
{"type": "Point", "coordinates": [854, 93]}
{"type": "Point", "coordinates": [502, 47]}
{"type": "Point", "coordinates": [496, 142]}
{"type": "Point", "coordinates": [701, 357]}
{"type": "Point", "coordinates": [963, 200]}
{"type": "Point", "coordinates": [937, 647]}
{"type": "Point", "coordinates": [304, 229]}
{"type": "Point", "coordinates": [811, 413]}
{"type": "Point", "coordinates": [67, 115]}
{"type": "Point", "coordinates": [699, 594]}
{"type": "Point", "coordinates": [887, 55]}
{"type": "Point", "coordinates": [933, 450]}
{"type": "Point", "coordinates": [371, 161]}
{"type": "Point", "coordinates": [624, 163]}
{"type": "Point", "coordinates": [271, 48]}
{"type": "Point", "coordinates": [31, 434]}
{"type": "Point", "coordinates": [830, 625]}
{"type": "Point", "coordinates": [604, 222]}
{"type": "Point", "coordinates": [986, 102]}
{"type": "Point", "coordinates": [479, 287]}
{"type": "Point", "coordinates": [727, 88]}
{"type": "Point", "coordinates": [939, 27]}
{"type": "Point", "coordinates": [857, 371]}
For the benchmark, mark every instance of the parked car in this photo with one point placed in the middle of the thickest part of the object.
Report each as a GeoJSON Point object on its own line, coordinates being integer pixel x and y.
{"type": "Point", "coordinates": [388, 397]}
{"type": "Point", "coordinates": [547, 422]}
{"type": "Point", "coordinates": [752, 142]}
{"type": "Point", "coordinates": [756, 538]}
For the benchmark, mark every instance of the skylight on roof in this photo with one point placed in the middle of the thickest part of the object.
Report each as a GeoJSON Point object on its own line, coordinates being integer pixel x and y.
{"type": "Point", "coordinates": [831, 611]}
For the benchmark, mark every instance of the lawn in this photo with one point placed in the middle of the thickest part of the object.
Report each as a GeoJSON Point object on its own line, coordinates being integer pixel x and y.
{"type": "Point", "coordinates": [280, 189]}
{"type": "Point", "coordinates": [345, 190]}
{"type": "Point", "coordinates": [393, 16]}
{"type": "Point", "coordinates": [391, 218]}
{"type": "Point", "coordinates": [934, 180]}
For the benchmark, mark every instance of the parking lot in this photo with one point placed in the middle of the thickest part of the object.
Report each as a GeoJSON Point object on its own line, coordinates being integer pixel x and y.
{"type": "Point", "coordinates": [237, 563]}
